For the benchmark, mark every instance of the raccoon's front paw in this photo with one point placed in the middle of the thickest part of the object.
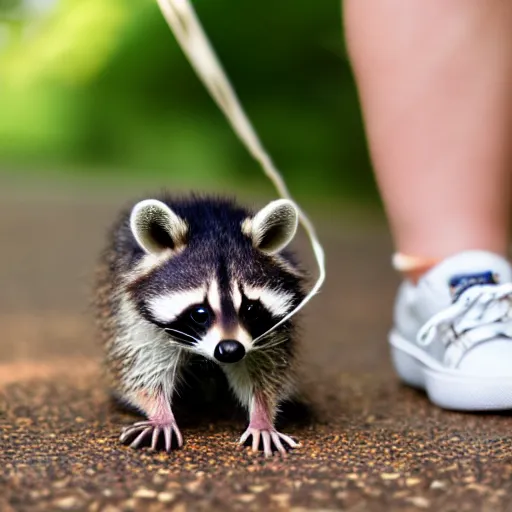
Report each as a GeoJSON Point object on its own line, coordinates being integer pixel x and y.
{"type": "Point", "coordinates": [143, 430]}
{"type": "Point", "coordinates": [270, 438]}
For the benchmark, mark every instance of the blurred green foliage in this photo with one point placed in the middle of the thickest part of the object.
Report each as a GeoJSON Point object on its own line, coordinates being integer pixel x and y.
{"type": "Point", "coordinates": [102, 87]}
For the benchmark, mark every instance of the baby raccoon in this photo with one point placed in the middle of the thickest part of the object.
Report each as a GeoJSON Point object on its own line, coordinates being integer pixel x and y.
{"type": "Point", "coordinates": [183, 278]}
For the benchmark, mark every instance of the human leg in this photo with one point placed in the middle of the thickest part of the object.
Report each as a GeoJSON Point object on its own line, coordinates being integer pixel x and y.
{"type": "Point", "coordinates": [435, 82]}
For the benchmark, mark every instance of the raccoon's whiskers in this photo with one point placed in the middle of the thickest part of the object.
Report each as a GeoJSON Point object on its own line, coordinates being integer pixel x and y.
{"type": "Point", "coordinates": [195, 332]}
{"type": "Point", "coordinates": [183, 340]}
{"type": "Point", "coordinates": [263, 346]}
{"type": "Point", "coordinates": [179, 342]}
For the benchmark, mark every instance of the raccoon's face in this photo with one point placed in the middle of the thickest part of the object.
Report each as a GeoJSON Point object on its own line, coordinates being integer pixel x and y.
{"type": "Point", "coordinates": [215, 290]}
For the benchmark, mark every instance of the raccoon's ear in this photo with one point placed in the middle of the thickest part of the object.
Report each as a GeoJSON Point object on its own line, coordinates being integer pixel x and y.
{"type": "Point", "coordinates": [274, 226]}
{"type": "Point", "coordinates": [156, 227]}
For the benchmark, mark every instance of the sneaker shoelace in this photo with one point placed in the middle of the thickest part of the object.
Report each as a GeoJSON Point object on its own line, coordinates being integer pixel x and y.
{"type": "Point", "coordinates": [481, 313]}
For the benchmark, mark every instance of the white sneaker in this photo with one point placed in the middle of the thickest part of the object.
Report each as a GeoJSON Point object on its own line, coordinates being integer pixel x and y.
{"type": "Point", "coordinates": [452, 333]}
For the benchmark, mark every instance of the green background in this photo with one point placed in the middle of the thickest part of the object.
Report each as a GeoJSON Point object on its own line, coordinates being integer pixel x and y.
{"type": "Point", "coordinates": [101, 89]}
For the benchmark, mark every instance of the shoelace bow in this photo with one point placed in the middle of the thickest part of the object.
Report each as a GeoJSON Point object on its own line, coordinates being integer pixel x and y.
{"type": "Point", "coordinates": [480, 313]}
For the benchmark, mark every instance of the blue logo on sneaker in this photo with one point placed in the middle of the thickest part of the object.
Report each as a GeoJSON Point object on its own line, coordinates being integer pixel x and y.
{"type": "Point", "coordinates": [460, 283]}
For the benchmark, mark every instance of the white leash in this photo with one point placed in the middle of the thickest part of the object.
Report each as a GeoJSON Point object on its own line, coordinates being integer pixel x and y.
{"type": "Point", "coordinates": [189, 33]}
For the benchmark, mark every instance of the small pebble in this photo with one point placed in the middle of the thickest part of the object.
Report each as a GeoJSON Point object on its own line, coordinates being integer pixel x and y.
{"type": "Point", "coordinates": [438, 484]}
{"type": "Point", "coordinates": [193, 486]}
{"type": "Point", "coordinates": [159, 479]}
{"type": "Point", "coordinates": [246, 498]}
{"type": "Point", "coordinates": [68, 503]}
{"type": "Point", "coordinates": [419, 501]}
{"type": "Point", "coordinates": [166, 497]}
{"type": "Point", "coordinates": [257, 488]}
{"type": "Point", "coordinates": [145, 494]}
{"type": "Point", "coordinates": [389, 476]}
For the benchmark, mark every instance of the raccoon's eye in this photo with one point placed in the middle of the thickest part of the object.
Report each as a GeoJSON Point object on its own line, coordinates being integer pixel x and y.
{"type": "Point", "coordinates": [251, 309]}
{"type": "Point", "coordinates": [200, 315]}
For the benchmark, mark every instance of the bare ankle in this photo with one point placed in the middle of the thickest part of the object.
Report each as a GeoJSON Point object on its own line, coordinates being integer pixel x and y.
{"type": "Point", "coordinates": [413, 267]}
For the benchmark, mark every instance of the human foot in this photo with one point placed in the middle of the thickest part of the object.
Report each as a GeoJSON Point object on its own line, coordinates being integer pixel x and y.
{"type": "Point", "coordinates": [452, 333]}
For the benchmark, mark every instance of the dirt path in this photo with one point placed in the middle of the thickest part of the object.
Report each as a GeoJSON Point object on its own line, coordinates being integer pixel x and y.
{"type": "Point", "coordinates": [373, 445]}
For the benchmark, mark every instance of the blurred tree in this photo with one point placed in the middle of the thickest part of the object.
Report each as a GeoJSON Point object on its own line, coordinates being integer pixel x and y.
{"type": "Point", "coordinates": [10, 8]}
{"type": "Point", "coordinates": [104, 85]}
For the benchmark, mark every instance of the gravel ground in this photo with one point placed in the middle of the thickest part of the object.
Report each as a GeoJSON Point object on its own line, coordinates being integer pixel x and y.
{"type": "Point", "coordinates": [368, 443]}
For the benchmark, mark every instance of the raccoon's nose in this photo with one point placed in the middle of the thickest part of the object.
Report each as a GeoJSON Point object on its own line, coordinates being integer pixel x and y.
{"type": "Point", "coordinates": [229, 351]}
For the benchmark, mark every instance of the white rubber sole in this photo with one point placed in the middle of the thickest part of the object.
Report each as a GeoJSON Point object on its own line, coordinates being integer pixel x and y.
{"type": "Point", "coordinates": [447, 388]}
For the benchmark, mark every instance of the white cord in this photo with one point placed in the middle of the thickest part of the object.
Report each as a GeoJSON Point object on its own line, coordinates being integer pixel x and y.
{"type": "Point", "coordinates": [189, 33]}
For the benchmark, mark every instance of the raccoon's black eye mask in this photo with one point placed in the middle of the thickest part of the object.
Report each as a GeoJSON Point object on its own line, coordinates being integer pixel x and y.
{"type": "Point", "coordinates": [193, 323]}
{"type": "Point", "coordinates": [200, 315]}
{"type": "Point", "coordinates": [254, 316]}
{"type": "Point", "coordinates": [190, 326]}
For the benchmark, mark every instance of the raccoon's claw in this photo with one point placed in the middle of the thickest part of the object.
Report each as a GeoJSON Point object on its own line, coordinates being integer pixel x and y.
{"type": "Point", "coordinates": [141, 430]}
{"type": "Point", "coordinates": [270, 437]}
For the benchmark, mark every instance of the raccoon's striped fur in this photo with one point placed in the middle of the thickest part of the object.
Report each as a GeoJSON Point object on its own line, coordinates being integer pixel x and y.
{"type": "Point", "coordinates": [191, 277]}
